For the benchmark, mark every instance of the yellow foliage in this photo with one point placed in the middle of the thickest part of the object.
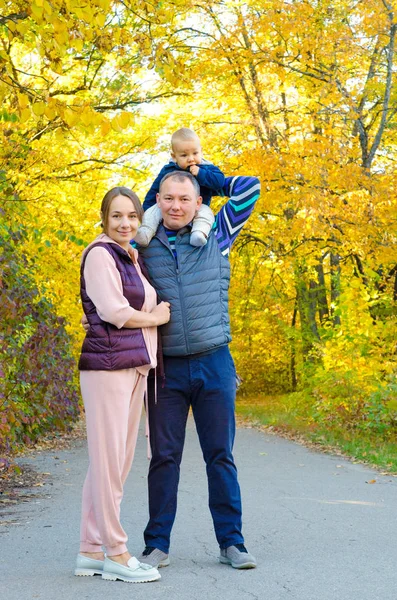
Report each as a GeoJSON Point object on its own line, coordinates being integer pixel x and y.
{"type": "Point", "coordinates": [284, 90]}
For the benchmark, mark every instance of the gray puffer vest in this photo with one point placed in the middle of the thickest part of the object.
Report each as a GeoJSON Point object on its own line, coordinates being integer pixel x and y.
{"type": "Point", "coordinates": [197, 289]}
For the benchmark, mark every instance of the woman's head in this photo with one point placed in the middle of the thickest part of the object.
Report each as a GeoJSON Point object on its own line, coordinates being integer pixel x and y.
{"type": "Point", "coordinates": [121, 213]}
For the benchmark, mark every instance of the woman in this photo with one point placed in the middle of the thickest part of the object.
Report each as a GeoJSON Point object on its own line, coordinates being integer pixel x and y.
{"type": "Point", "coordinates": [118, 352]}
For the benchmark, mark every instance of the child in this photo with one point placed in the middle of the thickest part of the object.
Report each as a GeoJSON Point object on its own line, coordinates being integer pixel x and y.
{"type": "Point", "coordinates": [186, 155]}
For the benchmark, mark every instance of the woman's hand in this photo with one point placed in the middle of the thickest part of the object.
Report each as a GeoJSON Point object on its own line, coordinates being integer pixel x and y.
{"type": "Point", "coordinates": [84, 323]}
{"type": "Point", "coordinates": [161, 313]}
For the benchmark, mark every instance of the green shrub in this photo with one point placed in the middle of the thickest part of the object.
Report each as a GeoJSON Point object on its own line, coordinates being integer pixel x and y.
{"type": "Point", "coordinates": [37, 389]}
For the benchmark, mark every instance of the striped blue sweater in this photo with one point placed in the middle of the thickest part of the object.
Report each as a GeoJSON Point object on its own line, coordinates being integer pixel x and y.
{"type": "Point", "coordinates": [243, 192]}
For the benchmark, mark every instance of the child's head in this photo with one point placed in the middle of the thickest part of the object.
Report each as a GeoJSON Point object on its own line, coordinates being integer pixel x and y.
{"type": "Point", "coordinates": [186, 148]}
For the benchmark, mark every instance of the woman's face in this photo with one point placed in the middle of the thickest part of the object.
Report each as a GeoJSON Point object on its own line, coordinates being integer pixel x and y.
{"type": "Point", "coordinates": [122, 222]}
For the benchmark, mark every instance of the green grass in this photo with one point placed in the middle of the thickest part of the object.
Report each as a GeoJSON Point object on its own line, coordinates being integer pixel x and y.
{"type": "Point", "coordinates": [291, 415]}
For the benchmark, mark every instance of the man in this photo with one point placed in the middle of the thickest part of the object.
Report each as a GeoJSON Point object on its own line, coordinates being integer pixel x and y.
{"type": "Point", "coordinates": [199, 370]}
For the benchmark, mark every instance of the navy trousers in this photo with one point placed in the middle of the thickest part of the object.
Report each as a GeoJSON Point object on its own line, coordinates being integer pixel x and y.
{"type": "Point", "coordinates": [207, 383]}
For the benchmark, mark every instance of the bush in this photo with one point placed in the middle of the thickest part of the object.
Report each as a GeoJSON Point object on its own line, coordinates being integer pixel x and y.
{"type": "Point", "coordinates": [37, 389]}
{"type": "Point", "coordinates": [356, 402]}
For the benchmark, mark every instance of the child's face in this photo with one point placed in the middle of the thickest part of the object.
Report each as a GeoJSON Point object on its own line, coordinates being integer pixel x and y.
{"type": "Point", "coordinates": [187, 153]}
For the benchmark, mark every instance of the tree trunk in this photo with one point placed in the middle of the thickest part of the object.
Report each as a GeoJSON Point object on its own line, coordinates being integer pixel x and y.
{"type": "Point", "coordinates": [306, 295]}
{"type": "Point", "coordinates": [322, 302]}
{"type": "Point", "coordinates": [293, 349]}
{"type": "Point", "coordinates": [335, 286]}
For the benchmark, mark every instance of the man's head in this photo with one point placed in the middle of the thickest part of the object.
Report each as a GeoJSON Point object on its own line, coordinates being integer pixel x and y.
{"type": "Point", "coordinates": [186, 148]}
{"type": "Point", "coordinates": [178, 199]}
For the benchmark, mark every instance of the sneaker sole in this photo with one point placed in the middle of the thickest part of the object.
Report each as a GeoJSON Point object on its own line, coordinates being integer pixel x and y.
{"type": "Point", "coordinates": [164, 563]}
{"type": "Point", "coordinates": [87, 572]}
{"type": "Point", "coordinates": [246, 565]}
{"type": "Point", "coordinates": [112, 577]}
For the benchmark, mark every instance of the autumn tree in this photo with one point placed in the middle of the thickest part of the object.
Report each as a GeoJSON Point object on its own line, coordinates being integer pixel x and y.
{"type": "Point", "coordinates": [299, 92]}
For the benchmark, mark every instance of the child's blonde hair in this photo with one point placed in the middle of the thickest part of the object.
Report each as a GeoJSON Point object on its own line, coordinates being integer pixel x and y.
{"type": "Point", "coordinates": [184, 135]}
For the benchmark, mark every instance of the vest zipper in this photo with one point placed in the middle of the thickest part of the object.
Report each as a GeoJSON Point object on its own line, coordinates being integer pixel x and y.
{"type": "Point", "coordinates": [183, 311]}
{"type": "Point", "coordinates": [181, 299]}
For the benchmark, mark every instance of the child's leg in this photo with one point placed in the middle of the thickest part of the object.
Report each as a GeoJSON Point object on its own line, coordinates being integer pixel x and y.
{"type": "Point", "coordinates": [202, 225]}
{"type": "Point", "coordinates": [150, 222]}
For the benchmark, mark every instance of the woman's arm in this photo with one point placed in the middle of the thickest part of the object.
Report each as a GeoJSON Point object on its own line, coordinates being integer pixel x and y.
{"type": "Point", "coordinates": [104, 287]}
{"type": "Point", "coordinates": [159, 315]}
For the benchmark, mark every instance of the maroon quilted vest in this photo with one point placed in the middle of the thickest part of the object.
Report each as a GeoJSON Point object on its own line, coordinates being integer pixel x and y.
{"type": "Point", "coordinates": [105, 346]}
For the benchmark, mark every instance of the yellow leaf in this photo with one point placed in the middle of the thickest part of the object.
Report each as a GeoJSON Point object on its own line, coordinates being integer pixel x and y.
{"type": "Point", "coordinates": [23, 100]}
{"type": "Point", "coordinates": [116, 125]}
{"type": "Point", "coordinates": [124, 119]}
{"type": "Point", "coordinates": [71, 117]}
{"type": "Point", "coordinates": [38, 108]}
{"type": "Point", "coordinates": [23, 27]}
{"type": "Point", "coordinates": [86, 117]}
{"type": "Point", "coordinates": [47, 7]}
{"type": "Point", "coordinates": [50, 112]}
{"type": "Point", "coordinates": [25, 115]}
{"type": "Point", "coordinates": [105, 127]}
{"type": "Point", "coordinates": [37, 10]}
{"type": "Point", "coordinates": [78, 44]}
{"type": "Point", "coordinates": [100, 19]}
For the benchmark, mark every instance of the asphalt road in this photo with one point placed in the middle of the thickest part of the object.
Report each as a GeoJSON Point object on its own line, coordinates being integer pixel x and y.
{"type": "Point", "coordinates": [318, 528]}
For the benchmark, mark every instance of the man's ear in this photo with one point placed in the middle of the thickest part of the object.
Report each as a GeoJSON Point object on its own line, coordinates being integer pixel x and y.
{"type": "Point", "coordinates": [158, 199]}
{"type": "Point", "coordinates": [199, 201]}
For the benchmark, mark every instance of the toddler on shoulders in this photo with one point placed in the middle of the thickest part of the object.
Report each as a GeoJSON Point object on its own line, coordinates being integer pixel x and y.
{"type": "Point", "coordinates": [186, 155]}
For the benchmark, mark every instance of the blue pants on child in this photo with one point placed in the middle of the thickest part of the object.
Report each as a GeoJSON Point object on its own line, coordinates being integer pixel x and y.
{"type": "Point", "coordinates": [207, 383]}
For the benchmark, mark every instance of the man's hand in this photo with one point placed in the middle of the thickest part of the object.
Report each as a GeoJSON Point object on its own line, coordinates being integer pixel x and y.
{"type": "Point", "coordinates": [194, 169]}
{"type": "Point", "coordinates": [84, 323]}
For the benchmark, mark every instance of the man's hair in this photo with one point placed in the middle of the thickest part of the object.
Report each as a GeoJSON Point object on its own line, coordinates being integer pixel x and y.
{"type": "Point", "coordinates": [184, 135]}
{"type": "Point", "coordinates": [111, 195]}
{"type": "Point", "coordinates": [181, 176]}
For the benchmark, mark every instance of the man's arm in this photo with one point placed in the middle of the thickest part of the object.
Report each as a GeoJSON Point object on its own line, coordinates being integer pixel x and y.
{"type": "Point", "coordinates": [243, 193]}
{"type": "Point", "coordinates": [211, 177]}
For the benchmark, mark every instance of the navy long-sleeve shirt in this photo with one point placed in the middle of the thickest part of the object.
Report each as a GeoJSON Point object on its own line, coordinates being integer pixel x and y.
{"type": "Point", "coordinates": [210, 179]}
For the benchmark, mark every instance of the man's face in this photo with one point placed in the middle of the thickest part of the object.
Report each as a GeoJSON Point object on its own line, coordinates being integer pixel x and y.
{"type": "Point", "coordinates": [178, 202]}
{"type": "Point", "coordinates": [187, 153]}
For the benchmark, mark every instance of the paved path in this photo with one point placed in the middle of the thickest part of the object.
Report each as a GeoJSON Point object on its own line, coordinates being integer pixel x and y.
{"type": "Point", "coordinates": [317, 528]}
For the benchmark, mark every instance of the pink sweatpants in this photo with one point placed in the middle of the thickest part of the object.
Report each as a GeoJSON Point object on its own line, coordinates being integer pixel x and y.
{"type": "Point", "coordinates": [113, 403]}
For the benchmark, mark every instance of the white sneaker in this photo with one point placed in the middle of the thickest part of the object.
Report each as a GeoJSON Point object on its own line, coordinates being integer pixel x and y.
{"type": "Point", "coordinates": [86, 566]}
{"type": "Point", "coordinates": [198, 238]}
{"type": "Point", "coordinates": [136, 572]}
{"type": "Point", "coordinates": [144, 235]}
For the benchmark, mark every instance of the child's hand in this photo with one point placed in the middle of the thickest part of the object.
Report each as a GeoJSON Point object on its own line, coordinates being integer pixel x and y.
{"type": "Point", "coordinates": [194, 169]}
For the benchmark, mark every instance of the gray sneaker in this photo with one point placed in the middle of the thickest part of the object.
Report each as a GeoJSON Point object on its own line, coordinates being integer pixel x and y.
{"type": "Point", "coordinates": [154, 557]}
{"type": "Point", "coordinates": [237, 556]}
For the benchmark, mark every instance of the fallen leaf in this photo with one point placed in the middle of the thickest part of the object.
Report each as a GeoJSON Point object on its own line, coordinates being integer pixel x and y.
{"type": "Point", "coordinates": [371, 481]}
